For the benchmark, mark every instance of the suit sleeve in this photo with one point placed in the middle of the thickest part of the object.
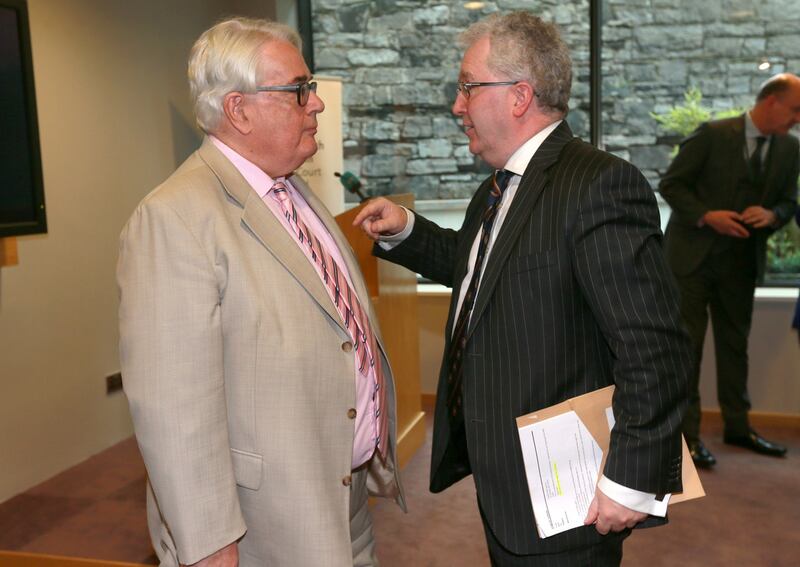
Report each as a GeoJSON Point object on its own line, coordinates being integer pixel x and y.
{"type": "Point", "coordinates": [429, 250]}
{"type": "Point", "coordinates": [678, 186]}
{"type": "Point", "coordinates": [171, 350]}
{"type": "Point", "coordinates": [623, 276]}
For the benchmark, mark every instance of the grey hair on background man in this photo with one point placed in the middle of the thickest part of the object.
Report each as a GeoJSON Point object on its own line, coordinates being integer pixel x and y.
{"type": "Point", "coordinates": [526, 48]}
{"type": "Point", "coordinates": [225, 59]}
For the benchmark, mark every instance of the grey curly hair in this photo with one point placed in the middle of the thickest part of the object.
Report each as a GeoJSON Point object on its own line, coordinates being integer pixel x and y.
{"type": "Point", "coordinates": [526, 48]}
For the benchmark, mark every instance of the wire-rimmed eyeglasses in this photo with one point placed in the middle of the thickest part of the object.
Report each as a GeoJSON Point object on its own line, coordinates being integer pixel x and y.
{"type": "Point", "coordinates": [463, 87]}
{"type": "Point", "coordinates": [303, 90]}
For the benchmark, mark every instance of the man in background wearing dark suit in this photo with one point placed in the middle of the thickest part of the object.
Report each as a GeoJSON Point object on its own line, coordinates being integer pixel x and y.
{"type": "Point", "coordinates": [559, 288]}
{"type": "Point", "coordinates": [732, 184]}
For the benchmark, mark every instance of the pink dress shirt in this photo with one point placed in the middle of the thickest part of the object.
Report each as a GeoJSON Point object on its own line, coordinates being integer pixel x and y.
{"type": "Point", "coordinates": [366, 423]}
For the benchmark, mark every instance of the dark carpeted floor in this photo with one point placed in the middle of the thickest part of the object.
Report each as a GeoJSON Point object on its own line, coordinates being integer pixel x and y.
{"type": "Point", "coordinates": [749, 518]}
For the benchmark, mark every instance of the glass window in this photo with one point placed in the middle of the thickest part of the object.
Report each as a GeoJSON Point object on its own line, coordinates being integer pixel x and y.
{"type": "Point", "coordinates": [399, 62]}
{"type": "Point", "coordinates": [689, 62]}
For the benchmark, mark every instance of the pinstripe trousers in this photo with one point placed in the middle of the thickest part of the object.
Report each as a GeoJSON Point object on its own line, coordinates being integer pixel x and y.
{"type": "Point", "coordinates": [607, 553]}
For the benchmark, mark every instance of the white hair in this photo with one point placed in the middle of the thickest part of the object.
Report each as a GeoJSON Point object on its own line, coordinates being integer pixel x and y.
{"type": "Point", "coordinates": [225, 58]}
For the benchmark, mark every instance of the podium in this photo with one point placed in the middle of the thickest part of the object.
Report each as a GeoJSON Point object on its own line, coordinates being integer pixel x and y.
{"type": "Point", "coordinates": [393, 290]}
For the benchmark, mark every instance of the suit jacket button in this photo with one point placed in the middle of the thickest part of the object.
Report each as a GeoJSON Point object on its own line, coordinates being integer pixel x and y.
{"type": "Point", "coordinates": [347, 346]}
{"type": "Point", "coordinates": [347, 480]}
{"type": "Point", "coordinates": [352, 413]}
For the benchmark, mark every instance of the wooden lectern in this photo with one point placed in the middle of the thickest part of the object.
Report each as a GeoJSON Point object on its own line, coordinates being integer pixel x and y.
{"type": "Point", "coordinates": [394, 293]}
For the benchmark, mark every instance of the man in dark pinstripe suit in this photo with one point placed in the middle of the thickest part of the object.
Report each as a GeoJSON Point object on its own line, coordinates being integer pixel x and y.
{"type": "Point", "coordinates": [560, 287]}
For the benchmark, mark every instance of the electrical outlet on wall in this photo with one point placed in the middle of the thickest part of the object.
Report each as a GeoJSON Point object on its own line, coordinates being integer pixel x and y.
{"type": "Point", "coordinates": [114, 383]}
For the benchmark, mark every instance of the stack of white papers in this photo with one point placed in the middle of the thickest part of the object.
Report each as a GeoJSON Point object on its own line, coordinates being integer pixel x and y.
{"type": "Point", "coordinates": [562, 463]}
{"type": "Point", "coordinates": [563, 446]}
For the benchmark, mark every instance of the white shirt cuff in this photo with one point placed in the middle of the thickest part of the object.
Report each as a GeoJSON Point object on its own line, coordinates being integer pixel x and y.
{"type": "Point", "coordinates": [644, 502]}
{"type": "Point", "coordinates": [390, 241]}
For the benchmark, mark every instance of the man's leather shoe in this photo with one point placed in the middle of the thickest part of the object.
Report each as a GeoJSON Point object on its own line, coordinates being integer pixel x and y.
{"type": "Point", "coordinates": [701, 456]}
{"type": "Point", "coordinates": [755, 442]}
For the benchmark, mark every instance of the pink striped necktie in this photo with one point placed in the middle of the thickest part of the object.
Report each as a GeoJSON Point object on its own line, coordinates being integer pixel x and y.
{"type": "Point", "coordinates": [346, 301]}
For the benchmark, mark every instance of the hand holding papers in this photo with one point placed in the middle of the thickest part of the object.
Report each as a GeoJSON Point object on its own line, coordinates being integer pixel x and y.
{"type": "Point", "coordinates": [564, 449]}
{"type": "Point", "coordinates": [562, 462]}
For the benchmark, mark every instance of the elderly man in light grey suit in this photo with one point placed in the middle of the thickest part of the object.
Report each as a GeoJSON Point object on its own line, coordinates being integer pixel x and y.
{"type": "Point", "coordinates": [259, 388]}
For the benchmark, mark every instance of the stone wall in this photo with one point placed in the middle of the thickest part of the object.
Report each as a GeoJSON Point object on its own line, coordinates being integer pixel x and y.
{"type": "Point", "coordinates": [653, 50]}
{"type": "Point", "coordinates": [400, 59]}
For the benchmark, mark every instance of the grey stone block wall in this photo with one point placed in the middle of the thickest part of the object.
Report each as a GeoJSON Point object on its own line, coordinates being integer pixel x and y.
{"type": "Point", "coordinates": [653, 50]}
{"type": "Point", "coordinates": [399, 60]}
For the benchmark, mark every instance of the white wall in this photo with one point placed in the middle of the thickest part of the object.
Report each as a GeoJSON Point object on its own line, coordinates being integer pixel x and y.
{"type": "Point", "coordinates": [286, 12]}
{"type": "Point", "coordinates": [114, 120]}
{"type": "Point", "coordinates": [774, 379]}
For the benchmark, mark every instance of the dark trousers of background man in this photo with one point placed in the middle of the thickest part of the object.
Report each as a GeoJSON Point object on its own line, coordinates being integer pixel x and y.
{"type": "Point", "coordinates": [723, 285]}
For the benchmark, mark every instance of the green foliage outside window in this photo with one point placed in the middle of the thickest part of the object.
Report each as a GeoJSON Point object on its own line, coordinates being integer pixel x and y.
{"type": "Point", "coordinates": [783, 248]}
{"type": "Point", "coordinates": [783, 256]}
{"type": "Point", "coordinates": [684, 119]}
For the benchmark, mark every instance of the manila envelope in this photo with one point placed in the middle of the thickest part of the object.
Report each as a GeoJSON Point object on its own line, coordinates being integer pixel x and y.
{"type": "Point", "coordinates": [591, 408]}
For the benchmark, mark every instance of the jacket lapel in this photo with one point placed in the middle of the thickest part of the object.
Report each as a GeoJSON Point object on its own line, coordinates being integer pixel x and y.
{"type": "Point", "coordinates": [533, 182]}
{"type": "Point", "coordinates": [346, 250]}
{"type": "Point", "coordinates": [772, 167]}
{"type": "Point", "coordinates": [739, 167]}
{"type": "Point", "coordinates": [260, 221]}
{"type": "Point", "coordinates": [470, 231]}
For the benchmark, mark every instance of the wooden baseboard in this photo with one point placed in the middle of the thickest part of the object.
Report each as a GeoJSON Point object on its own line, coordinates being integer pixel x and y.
{"type": "Point", "coordinates": [8, 252]}
{"type": "Point", "coordinates": [759, 418]}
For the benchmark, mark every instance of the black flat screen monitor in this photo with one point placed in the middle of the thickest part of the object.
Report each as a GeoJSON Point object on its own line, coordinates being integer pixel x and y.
{"type": "Point", "coordinates": [21, 189]}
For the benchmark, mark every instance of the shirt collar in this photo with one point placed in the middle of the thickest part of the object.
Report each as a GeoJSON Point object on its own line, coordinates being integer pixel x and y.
{"type": "Point", "coordinates": [254, 175]}
{"type": "Point", "coordinates": [750, 129]}
{"type": "Point", "coordinates": [519, 160]}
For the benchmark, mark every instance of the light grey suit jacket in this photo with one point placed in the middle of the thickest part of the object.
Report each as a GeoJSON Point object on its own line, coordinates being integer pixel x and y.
{"type": "Point", "coordinates": [238, 385]}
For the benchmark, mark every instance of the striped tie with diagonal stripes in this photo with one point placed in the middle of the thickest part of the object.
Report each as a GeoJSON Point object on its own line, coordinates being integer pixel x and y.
{"type": "Point", "coordinates": [458, 342]}
{"type": "Point", "coordinates": [347, 304]}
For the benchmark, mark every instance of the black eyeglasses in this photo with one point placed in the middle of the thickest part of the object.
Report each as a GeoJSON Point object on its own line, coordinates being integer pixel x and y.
{"type": "Point", "coordinates": [463, 87]}
{"type": "Point", "coordinates": [303, 90]}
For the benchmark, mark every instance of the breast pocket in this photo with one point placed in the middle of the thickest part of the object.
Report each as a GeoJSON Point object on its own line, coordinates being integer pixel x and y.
{"type": "Point", "coordinates": [538, 280]}
{"type": "Point", "coordinates": [534, 262]}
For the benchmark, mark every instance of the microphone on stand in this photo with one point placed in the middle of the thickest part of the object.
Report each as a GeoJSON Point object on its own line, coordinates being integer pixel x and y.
{"type": "Point", "coordinates": [351, 183]}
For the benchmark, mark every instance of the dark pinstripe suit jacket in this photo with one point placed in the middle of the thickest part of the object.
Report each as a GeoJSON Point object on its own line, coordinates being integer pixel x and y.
{"type": "Point", "coordinates": [576, 295]}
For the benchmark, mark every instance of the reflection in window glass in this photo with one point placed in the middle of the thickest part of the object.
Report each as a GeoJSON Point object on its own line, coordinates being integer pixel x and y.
{"type": "Point", "coordinates": [399, 61]}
